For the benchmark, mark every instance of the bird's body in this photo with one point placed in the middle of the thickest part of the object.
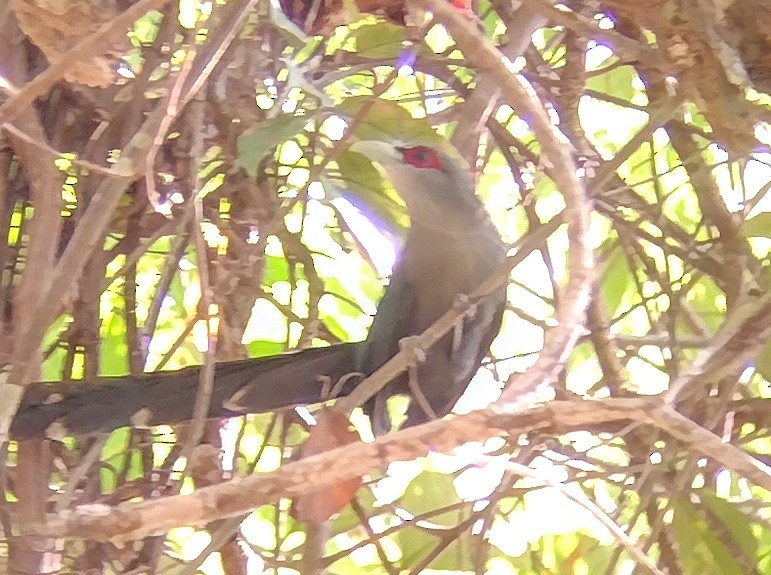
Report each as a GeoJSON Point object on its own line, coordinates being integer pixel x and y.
{"type": "Point", "coordinates": [423, 288]}
{"type": "Point", "coordinates": [451, 247]}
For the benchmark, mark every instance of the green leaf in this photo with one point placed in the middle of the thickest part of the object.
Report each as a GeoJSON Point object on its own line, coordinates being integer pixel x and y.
{"type": "Point", "coordinates": [618, 81]}
{"type": "Point", "coordinates": [52, 366]}
{"type": "Point", "coordinates": [701, 552]}
{"type": "Point", "coordinates": [263, 348]}
{"type": "Point", "coordinates": [334, 326]}
{"type": "Point", "coordinates": [386, 120]}
{"type": "Point", "coordinates": [763, 362]}
{"type": "Point", "coordinates": [145, 29]}
{"type": "Point", "coordinates": [257, 142]}
{"type": "Point", "coordinates": [114, 454]}
{"type": "Point", "coordinates": [582, 353]}
{"type": "Point", "coordinates": [737, 524]}
{"type": "Point", "coordinates": [429, 491]}
{"type": "Point", "coordinates": [616, 281]}
{"type": "Point", "coordinates": [706, 296]}
{"type": "Point", "coordinates": [365, 184]}
{"type": "Point", "coordinates": [136, 466]}
{"type": "Point", "coordinates": [177, 296]}
{"type": "Point", "coordinates": [458, 555]}
{"type": "Point", "coordinates": [758, 227]}
{"type": "Point", "coordinates": [348, 519]}
{"type": "Point", "coordinates": [595, 555]}
{"type": "Point", "coordinates": [276, 270]}
{"type": "Point", "coordinates": [380, 40]}
{"type": "Point", "coordinates": [113, 357]}
{"type": "Point", "coordinates": [764, 550]}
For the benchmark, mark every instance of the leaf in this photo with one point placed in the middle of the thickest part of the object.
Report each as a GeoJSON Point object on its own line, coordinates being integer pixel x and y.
{"type": "Point", "coordinates": [256, 143]}
{"type": "Point", "coordinates": [331, 430]}
{"type": "Point", "coordinates": [365, 191]}
{"type": "Point", "coordinates": [276, 270]}
{"type": "Point", "coordinates": [763, 362]}
{"type": "Point", "coordinates": [758, 227]}
{"type": "Point", "coordinates": [764, 551]}
{"type": "Point", "coordinates": [616, 281]}
{"type": "Point", "coordinates": [704, 298]}
{"type": "Point", "coordinates": [428, 491]}
{"type": "Point", "coordinates": [595, 555]}
{"type": "Point", "coordinates": [264, 348]}
{"type": "Point", "coordinates": [52, 365]}
{"type": "Point", "coordinates": [701, 552]}
{"type": "Point", "coordinates": [381, 40]}
{"type": "Point", "coordinates": [113, 356]}
{"type": "Point", "coordinates": [114, 453]}
{"type": "Point", "coordinates": [458, 555]}
{"type": "Point", "coordinates": [618, 81]}
{"type": "Point", "coordinates": [736, 523]}
{"type": "Point", "coordinates": [386, 120]}
{"type": "Point", "coordinates": [347, 518]}
{"type": "Point", "coordinates": [331, 323]}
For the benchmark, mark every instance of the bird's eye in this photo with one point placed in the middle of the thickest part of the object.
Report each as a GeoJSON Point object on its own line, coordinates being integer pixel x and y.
{"type": "Point", "coordinates": [422, 157]}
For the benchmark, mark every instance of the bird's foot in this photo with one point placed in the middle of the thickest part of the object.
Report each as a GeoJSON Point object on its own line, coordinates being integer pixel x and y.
{"type": "Point", "coordinates": [345, 383]}
{"type": "Point", "coordinates": [466, 309]}
{"type": "Point", "coordinates": [416, 356]}
{"type": "Point", "coordinates": [463, 304]}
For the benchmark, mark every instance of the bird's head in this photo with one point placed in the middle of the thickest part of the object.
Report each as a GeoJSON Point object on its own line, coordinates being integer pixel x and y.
{"type": "Point", "coordinates": [433, 180]}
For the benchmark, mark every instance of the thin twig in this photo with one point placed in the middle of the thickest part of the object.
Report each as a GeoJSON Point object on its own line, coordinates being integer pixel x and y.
{"type": "Point", "coordinates": [402, 360]}
{"type": "Point", "coordinates": [582, 500]}
{"type": "Point", "coordinates": [482, 56]}
{"type": "Point", "coordinates": [205, 304]}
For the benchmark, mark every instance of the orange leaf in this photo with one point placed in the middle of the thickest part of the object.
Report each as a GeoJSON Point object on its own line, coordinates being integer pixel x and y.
{"type": "Point", "coordinates": [331, 430]}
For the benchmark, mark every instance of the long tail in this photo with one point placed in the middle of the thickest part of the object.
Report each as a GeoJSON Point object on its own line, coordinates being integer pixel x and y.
{"type": "Point", "coordinates": [243, 386]}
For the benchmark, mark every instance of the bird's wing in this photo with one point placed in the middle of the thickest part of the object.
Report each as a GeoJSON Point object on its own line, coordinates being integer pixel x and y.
{"type": "Point", "coordinates": [390, 324]}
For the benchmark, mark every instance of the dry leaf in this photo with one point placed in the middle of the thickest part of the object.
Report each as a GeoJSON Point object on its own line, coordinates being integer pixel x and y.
{"type": "Point", "coordinates": [55, 27]}
{"type": "Point", "coordinates": [332, 430]}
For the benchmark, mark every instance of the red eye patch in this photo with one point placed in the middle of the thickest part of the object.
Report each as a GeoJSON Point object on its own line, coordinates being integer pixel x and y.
{"type": "Point", "coordinates": [421, 157]}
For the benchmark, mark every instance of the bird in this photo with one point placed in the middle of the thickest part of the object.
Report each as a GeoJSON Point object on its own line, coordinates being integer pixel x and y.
{"type": "Point", "coordinates": [450, 248]}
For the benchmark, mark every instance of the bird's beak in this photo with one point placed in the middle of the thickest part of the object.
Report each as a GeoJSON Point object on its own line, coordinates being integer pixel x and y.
{"type": "Point", "coordinates": [380, 152]}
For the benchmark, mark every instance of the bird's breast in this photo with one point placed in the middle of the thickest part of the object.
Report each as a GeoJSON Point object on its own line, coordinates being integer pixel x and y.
{"type": "Point", "coordinates": [440, 267]}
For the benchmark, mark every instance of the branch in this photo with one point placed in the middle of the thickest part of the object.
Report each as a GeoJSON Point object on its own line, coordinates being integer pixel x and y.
{"type": "Point", "coordinates": [746, 329]}
{"type": "Point", "coordinates": [90, 233]}
{"type": "Point", "coordinates": [557, 154]}
{"type": "Point", "coordinates": [130, 521]}
{"type": "Point", "coordinates": [621, 45]}
{"type": "Point", "coordinates": [399, 363]}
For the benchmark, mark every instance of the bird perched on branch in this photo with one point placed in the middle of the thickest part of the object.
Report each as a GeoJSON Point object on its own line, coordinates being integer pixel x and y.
{"type": "Point", "coordinates": [451, 247]}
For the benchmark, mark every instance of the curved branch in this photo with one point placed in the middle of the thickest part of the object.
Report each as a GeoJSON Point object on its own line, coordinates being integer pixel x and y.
{"type": "Point", "coordinates": [557, 153]}
{"type": "Point", "coordinates": [129, 521]}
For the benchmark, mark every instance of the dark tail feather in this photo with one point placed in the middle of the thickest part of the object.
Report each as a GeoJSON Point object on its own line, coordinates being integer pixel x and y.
{"type": "Point", "coordinates": [243, 386]}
